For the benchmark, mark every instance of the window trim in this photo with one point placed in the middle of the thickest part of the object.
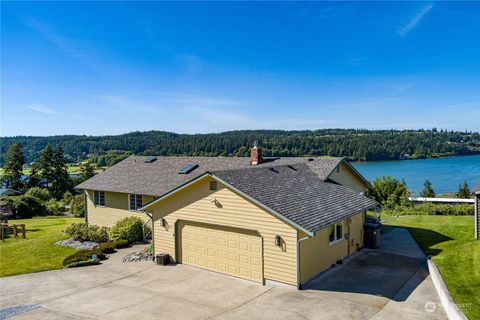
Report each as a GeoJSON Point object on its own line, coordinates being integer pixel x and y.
{"type": "Point", "coordinates": [99, 204]}
{"type": "Point", "coordinates": [330, 243]}
{"type": "Point", "coordinates": [136, 206]}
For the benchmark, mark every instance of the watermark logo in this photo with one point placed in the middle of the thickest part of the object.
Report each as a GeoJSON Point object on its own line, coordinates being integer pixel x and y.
{"type": "Point", "coordinates": [430, 306]}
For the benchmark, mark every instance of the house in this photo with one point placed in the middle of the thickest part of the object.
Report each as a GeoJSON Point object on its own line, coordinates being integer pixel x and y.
{"type": "Point", "coordinates": [476, 192]}
{"type": "Point", "coordinates": [263, 219]}
{"type": "Point", "coordinates": [8, 192]}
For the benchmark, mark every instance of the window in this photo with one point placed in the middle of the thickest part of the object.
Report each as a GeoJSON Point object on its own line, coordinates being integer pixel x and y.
{"type": "Point", "coordinates": [99, 198]}
{"type": "Point", "coordinates": [213, 185]}
{"type": "Point", "coordinates": [135, 202]}
{"type": "Point", "coordinates": [335, 232]}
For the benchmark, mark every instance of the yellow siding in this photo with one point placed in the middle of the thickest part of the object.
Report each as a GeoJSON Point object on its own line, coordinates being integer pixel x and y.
{"type": "Point", "coordinates": [116, 208]}
{"type": "Point", "coordinates": [344, 175]}
{"type": "Point", "coordinates": [194, 203]}
{"type": "Point", "coordinates": [316, 255]}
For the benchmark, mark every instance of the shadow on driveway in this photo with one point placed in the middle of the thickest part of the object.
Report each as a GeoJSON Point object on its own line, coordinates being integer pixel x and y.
{"type": "Point", "coordinates": [372, 272]}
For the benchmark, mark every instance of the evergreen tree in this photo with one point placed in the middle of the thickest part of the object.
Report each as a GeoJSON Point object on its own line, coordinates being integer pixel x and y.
{"type": "Point", "coordinates": [45, 164]}
{"type": "Point", "coordinates": [87, 170]}
{"type": "Point", "coordinates": [428, 191]}
{"type": "Point", "coordinates": [13, 168]}
{"type": "Point", "coordinates": [463, 191]}
{"type": "Point", "coordinates": [34, 178]}
{"type": "Point", "coordinates": [60, 182]}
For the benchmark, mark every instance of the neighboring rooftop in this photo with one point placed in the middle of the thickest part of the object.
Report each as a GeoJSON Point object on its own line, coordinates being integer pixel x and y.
{"type": "Point", "coordinates": [134, 175]}
{"type": "Point", "coordinates": [8, 192]}
{"type": "Point", "coordinates": [298, 193]}
{"type": "Point", "coordinates": [477, 188]}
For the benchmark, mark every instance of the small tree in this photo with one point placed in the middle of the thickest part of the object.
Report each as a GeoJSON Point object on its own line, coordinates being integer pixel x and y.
{"type": "Point", "coordinates": [463, 191]}
{"type": "Point", "coordinates": [87, 170]}
{"type": "Point", "coordinates": [390, 192]}
{"type": "Point", "coordinates": [427, 191]}
{"type": "Point", "coordinates": [13, 168]}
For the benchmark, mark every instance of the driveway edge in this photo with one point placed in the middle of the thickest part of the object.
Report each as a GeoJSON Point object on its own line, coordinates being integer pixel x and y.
{"type": "Point", "coordinates": [449, 306]}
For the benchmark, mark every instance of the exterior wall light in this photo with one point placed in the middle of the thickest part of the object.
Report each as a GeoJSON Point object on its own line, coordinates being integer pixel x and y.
{"type": "Point", "coordinates": [278, 241]}
{"type": "Point", "coordinates": [163, 223]}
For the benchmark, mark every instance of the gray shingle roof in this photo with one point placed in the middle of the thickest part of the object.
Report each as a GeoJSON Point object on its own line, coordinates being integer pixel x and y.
{"type": "Point", "coordinates": [297, 193]}
{"type": "Point", "coordinates": [132, 175]}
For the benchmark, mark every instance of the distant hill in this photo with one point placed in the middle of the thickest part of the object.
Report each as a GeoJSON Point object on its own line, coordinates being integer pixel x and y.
{"type": "Point", "coordinates": [357, 145]}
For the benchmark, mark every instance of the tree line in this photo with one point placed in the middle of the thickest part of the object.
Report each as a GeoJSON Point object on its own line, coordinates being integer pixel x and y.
{"type": "Point", "coordinates": [354, 144]}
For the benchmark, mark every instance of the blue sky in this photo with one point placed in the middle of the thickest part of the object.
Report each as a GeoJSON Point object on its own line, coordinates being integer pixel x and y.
{"type": "Point", "coordinates": [114, 67]}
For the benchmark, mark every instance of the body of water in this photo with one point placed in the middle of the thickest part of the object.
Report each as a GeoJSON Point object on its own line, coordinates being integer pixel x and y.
{"type": "Point", "coordinates": [445, 174]}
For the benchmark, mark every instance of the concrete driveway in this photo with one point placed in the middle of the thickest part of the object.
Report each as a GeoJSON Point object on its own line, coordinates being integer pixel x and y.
{"type": "Point", "coordinates": [391, 283]}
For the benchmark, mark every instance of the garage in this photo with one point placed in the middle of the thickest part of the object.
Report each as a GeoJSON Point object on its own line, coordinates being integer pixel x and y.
{"type": "Point", "coordinates": [232, 251]}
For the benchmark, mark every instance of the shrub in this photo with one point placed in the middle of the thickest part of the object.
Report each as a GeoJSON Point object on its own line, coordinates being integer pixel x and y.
{"type": "Point", "coordinates": [41, 194]}
{"type": "Point", "coordinates": [120, 244]}
{"type": "Point", "coordinates": [86, 232]}
{"type": "Point", "coordinates": [129, 229]}
{"type": "Point", "coordinates": [107, 247]}
{"type": "Point", "coordinates": [83, 255]}
{"type": "Point", "coordinates": [67, 197]}
{"type": "Point", "coordinates": [77, 206]}
{"type": "Point", "coordinates": [83, 263]}
{"type": "Point", "coordinates": [28, 206]}
{"type": "Point", "coordinates": [56, 208]}
{"type": "Point", "coordinates": [431, 208]}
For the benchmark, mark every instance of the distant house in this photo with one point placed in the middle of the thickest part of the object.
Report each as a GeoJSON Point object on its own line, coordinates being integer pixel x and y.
{"type": "Point", "coordinates": [262, 219]}
{"type": "Point", "coordinates": [8, 192]}
{"type": "Point", "coordinates": [476, 192]}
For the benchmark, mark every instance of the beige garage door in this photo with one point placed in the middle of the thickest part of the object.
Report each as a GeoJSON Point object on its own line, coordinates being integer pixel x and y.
{"type": "Point", "coordinates": [227, 250]}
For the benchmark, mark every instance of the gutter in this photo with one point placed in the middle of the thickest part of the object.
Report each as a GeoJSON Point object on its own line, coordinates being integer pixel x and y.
{"type": "Point", "coordinates": [299, 282]}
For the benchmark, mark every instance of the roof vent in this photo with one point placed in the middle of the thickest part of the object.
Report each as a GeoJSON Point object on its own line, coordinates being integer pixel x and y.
{"type": "Point", "coordinates": [150, 159]}
{"type": "Point", "coordinates": [310, 159]}
{"type": "Point", "coordinates": [292, 168]}
{"type": "Point", "coordinates": [189, 168]}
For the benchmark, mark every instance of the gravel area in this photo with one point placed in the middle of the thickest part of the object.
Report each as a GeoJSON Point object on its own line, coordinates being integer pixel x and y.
{"type": "Point", "coordinates": [138, 256]}
{"type": "Point", "coordinates": [89, 245]}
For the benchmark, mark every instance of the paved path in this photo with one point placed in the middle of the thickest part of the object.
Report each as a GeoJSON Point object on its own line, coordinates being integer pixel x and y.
{"type": "Point", "coordinates": [390, 283]}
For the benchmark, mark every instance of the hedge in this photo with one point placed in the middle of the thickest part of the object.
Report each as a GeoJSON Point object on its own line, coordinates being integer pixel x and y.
{"type": "Point", "coordinates": [83, 255]}
{"type": "Point", "coordinates": [83, 263]}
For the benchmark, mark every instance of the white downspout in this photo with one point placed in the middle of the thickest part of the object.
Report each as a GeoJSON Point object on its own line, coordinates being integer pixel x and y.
{"type": "Point", "coordinates": [477, 200]}
{"type": "Point", "coordinates": [299, 282]}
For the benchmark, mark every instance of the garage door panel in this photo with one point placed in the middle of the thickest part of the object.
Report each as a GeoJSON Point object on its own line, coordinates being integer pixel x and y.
{"type": "Point", "coordinates": [224, 250]}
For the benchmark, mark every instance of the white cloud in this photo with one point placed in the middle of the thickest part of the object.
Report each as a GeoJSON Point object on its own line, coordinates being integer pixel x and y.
{"type": "Point", "coordinates": [74, 48]}
{"type": "Point", "coordinates": [41, 108]}
{"type": "Point", "coordinates": [356, 62]}
{"type": "Point", "coordinates": [415, 20]}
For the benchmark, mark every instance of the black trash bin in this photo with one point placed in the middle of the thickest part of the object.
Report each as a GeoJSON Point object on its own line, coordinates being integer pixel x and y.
{"type": "Point", "coordinates": [162, 259]}
{"type": "Point", "coordinates": [371, 235]}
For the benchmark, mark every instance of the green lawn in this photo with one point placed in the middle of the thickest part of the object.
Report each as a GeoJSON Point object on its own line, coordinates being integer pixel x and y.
{"type": "Point", "coordinates": [450, 242]}
{"type": "Point", "coordinates": [38, 252]}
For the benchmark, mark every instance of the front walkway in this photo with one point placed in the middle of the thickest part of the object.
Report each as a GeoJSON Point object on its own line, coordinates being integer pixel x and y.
{"type": "Point", "coordinates": [391, 283]}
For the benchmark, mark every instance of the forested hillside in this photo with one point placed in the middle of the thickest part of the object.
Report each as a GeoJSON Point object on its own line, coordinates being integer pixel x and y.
{"type": "Point", "coordinates": [359, 145]}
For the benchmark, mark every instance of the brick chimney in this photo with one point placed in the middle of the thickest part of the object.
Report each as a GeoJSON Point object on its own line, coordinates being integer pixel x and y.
{"type": "Point", "coordinates": [256, 155]}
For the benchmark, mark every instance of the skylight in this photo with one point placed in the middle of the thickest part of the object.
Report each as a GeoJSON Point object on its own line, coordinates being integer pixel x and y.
{"type": "Point", "coordinates": [150, 159]}
{"type": "Point", "coordinates": [189, 168]}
